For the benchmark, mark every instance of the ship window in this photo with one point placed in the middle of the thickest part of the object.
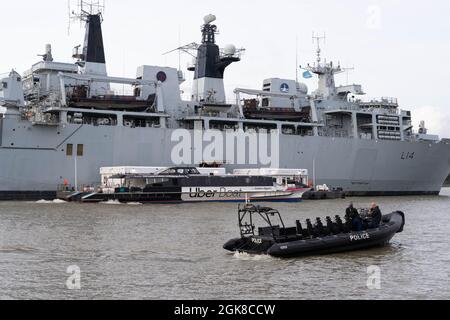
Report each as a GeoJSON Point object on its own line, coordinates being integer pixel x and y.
{"type": "Point", "coordinates": [5, 85]}
{"type": "Point", "coordinates": [69, 150]}
{"type": "Point", "coordinates": [80, 150]}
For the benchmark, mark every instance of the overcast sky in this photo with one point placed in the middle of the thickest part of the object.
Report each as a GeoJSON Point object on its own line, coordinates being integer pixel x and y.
{"type": "Point", "coordinates": [399, 48]}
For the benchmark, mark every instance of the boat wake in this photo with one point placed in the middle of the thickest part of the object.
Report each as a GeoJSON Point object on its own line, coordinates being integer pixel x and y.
{"type": "Point", "coordinates": [112, 202]}
{"type": "Point", "coordinates": [56, 201]}
{"type": "Point", "coordinates": [251, 257]}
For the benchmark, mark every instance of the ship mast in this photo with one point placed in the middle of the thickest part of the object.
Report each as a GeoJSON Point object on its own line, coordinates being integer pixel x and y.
{"type": "Point", "coordinates": [325, 71]}
{"type": "Point", "coordinates": [319, 51]}
{"type": "Point", "coordinates": [211, 62]}
{"type": "Point", "coordinates": [92, 57]}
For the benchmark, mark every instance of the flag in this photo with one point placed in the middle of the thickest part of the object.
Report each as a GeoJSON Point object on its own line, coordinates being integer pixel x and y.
{"type": "Point", "coordinates": [307, 75]}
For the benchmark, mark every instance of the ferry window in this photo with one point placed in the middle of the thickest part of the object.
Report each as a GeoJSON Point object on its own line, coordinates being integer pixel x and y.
{"type": "Point", "coordinates": [80, 150]}
{"type": "Point", "coordinates": [69, 150]}
{"type": "Point", "coordinates": [5, 85]}
{"type": "Point", "coordinates": [193, 171]}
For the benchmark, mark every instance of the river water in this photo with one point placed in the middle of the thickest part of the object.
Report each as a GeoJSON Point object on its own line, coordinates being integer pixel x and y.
{"type": "Point", "coordinates": [175, 252]}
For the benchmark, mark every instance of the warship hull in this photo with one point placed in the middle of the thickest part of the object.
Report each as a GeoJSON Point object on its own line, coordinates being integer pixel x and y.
{"type": "Point", "coordinates": [33, 159]}
{"type": "Point", "coordinates": [46, 140]}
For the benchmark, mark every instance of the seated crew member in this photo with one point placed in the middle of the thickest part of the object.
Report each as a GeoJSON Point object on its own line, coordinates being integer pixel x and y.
{"type": "Point", "coordinates": [353, 215]}
{"type": "Point", "coordinates": [375, 216]}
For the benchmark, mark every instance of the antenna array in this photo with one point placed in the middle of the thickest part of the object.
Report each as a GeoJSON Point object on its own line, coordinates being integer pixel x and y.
{"type": "Point", "coordinates": [189, 48]}
{"type": "Point", "coordinates": [317, 38]}
{"type": "Point", "coordinates": [85, 8]}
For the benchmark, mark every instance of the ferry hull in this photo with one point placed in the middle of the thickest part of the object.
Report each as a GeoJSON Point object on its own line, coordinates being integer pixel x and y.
{"type": "Point", "coordinates": [98, 198]}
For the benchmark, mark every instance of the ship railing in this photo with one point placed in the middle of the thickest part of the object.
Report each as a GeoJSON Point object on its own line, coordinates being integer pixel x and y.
{"type": "Point", "coordinates": [80, 188]}
{"type": "Point", "coordinates": [345, 108]}
{"type": "Point", "coordinates": [202, 113]}
{"type": "Point", "coordinates": [380, 111]}
{"type": "Point", "coordinates": [366, 108]}
{"type": "Point", "coordinates": [382, 101]}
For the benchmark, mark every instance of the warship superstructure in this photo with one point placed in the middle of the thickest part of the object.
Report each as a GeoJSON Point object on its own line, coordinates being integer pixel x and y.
{"type": "Point", "coordinates": [62, 122]}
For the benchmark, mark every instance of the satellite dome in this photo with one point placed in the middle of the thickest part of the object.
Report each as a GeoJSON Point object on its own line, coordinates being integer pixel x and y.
{"type": "Point", "coordinates": [302, 88]}
{"type": "Point", "coordinates": [209, 18]}
{"type": "Point", "coordinates": [229, 50]}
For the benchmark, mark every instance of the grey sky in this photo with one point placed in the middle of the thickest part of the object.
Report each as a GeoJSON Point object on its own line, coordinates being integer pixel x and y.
{"type": "Point", "coordinates": [399, 48]}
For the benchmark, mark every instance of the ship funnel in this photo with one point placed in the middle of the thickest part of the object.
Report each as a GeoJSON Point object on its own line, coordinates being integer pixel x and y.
{"type": "Point", "coordinates": [91, 55]}
{"type": "Point", "coordinates": [93, 50]}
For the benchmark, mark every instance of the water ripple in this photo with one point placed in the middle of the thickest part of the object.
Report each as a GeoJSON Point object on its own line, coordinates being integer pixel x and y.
{"type": "Point", "coordinates": [175, 252]}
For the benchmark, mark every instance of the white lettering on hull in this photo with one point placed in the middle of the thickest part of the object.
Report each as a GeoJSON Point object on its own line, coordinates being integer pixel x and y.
{"type": "Point", "coordinates": [359, 237]}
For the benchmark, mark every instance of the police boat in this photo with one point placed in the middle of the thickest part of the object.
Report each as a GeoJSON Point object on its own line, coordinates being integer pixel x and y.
{"type": "Point", "coordinates": [332, 237]}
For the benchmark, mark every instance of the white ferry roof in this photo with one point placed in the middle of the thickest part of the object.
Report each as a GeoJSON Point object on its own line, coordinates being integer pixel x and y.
{"type": "Point", "coordinates": [145, 176]}
{"type": "Point", "coordinates": [272, 172]}
{"type": "Point", "coordinates": [130, 170]}
{"type": "Point", "coordinates": [110, 171]}
{"type": "Point", "coordinates": [212, 171]}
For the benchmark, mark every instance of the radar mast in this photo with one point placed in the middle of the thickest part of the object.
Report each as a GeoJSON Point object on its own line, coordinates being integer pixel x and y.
{"type": "Point", "coordinates": [325, 71]}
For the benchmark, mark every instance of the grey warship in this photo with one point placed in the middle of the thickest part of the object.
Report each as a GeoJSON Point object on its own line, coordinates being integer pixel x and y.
{"type": "Point", "coordinates": [64, 121]}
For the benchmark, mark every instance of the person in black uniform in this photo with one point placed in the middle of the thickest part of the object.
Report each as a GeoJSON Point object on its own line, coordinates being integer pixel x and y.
{"type": "Point", "coordinates": [351, 214]}
{"type": "Point", "coordinates": [375, 216]}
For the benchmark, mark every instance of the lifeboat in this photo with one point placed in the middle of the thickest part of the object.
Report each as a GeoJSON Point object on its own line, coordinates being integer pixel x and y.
{"type": "Point", "coordinates": [79, 99]}
{"type": "Point", "coordinates": [252, 111]}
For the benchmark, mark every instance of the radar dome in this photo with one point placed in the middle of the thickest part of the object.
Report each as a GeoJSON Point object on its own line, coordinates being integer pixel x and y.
{"type": "Point", "coordinates": [302, 88]}
{"type": "Point", "coordinates": [209, 18]}
{"type": "Point", "coordinates": [229, 50]}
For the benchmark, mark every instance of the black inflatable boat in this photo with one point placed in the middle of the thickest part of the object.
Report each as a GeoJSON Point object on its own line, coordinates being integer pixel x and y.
{"type": "Point", "coordinates": [331, 237]}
